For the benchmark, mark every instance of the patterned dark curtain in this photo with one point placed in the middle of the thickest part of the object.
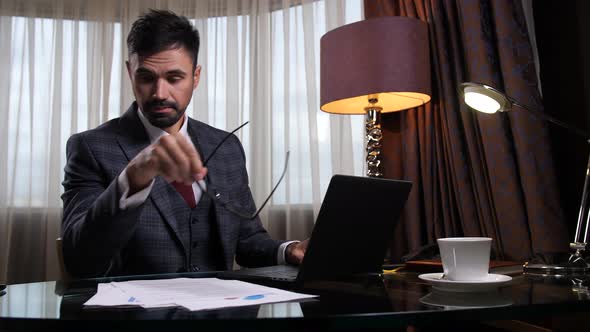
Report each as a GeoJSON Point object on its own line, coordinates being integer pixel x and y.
{"type": "Point", "coordinates": [474, 174]}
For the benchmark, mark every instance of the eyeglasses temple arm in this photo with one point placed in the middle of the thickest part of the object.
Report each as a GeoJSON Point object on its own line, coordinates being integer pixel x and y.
{"type": "Point", "coordinates": [273, 189]}
{"type": "Point", "coordinates": [223, 140]}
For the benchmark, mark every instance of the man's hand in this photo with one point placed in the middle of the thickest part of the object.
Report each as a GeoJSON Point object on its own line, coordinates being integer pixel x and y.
{"type": "Point", "coordinates": [172, 157]}
{"type": "Point", "coordinates": [295, 252]}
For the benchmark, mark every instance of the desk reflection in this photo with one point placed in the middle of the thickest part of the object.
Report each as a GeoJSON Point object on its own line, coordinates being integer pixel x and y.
{"type": "Point", "coordinates": [399, 300]}
{"type": "Point", "coordinates": [72, 307]}
{"type": "Point", "coordinates": [46, 300]}
{"type": "Point", "coordinates": [34, 300]}
{"type": "Point", "coordinates": [280, 310]}
{"type": "Point", "coordinates": [450, 301]}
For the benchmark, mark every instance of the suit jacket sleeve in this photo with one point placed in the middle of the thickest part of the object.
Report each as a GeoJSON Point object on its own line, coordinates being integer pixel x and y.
{"type": "Point", "coordinates": [255, 246]}
{"type": "Point", "coordinates": [94, 228]}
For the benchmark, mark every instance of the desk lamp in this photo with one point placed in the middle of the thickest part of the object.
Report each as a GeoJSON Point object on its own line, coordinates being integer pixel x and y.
{"type": "Point", "coordinates": [486, 99]}
{"type": "Point", "coordinates": [375, 66]}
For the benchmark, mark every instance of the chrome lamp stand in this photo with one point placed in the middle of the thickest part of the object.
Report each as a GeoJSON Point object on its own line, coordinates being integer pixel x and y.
{"type": "Point", "coordinates": [576, 264]}
{"type": "Point", "coordinates": [374, 135]}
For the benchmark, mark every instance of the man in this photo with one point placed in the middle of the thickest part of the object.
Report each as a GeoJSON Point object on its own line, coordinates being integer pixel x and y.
{"type": "Point", "coordinates": [132, 204]}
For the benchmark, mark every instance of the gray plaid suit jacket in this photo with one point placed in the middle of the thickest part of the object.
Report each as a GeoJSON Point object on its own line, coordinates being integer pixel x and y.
{"type": "Point", "coordinates": [99, 239]}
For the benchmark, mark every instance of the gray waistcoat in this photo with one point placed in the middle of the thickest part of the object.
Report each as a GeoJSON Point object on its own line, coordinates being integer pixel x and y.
{"type": "Point", "coordinates": [199, 232]}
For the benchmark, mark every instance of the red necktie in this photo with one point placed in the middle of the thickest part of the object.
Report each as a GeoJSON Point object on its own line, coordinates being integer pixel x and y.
{"type": "Point", "coordinates": [186, 191]}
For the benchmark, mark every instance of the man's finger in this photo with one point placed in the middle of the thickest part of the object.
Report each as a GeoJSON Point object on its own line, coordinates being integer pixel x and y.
{"type": "Point", "coordinates": [172, 144]}
{"type": "Point", "coordinates": [196, 165]}
{"type": "Point", "coordinates": [166, 165]}
{"type": "Point", "coordinates": [200, 176]}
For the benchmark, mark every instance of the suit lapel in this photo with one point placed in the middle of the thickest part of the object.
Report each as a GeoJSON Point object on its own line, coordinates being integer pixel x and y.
{"type": "Point", "coordinates": [132, 136]}
{"type": "Point", "coordinates": [133, 139]}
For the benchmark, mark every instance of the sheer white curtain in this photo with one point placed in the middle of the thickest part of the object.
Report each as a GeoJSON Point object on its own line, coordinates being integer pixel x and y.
{"type": "Point", "coordinates": [63, 62]}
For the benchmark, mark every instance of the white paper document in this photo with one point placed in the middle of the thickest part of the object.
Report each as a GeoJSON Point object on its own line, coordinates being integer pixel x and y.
{"type": "Point", "coordinates": [193, 294]}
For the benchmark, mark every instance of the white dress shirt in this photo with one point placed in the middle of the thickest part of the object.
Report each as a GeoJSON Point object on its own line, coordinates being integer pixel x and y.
{"type": "Point", "coordinates": [139, 197]}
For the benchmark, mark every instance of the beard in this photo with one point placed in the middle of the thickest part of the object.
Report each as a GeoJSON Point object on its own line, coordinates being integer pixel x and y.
{"type": "Point", "coordinates": [162, 120]}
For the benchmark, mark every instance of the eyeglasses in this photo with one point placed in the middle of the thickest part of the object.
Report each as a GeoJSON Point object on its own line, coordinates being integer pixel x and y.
{"type": "Point", "coordinates": [227, 205]}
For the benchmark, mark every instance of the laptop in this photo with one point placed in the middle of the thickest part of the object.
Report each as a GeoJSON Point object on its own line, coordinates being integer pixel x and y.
{"type": "Point", "coordinates": [350, 235]}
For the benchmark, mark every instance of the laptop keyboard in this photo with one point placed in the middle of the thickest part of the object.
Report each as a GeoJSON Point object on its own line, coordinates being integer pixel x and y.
{"type": "Point", "coordinates": [284, 272]}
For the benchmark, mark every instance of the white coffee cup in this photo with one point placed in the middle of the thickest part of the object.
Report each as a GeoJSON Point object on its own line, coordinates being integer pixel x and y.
{"type": "Point", "coordinates": [465, 258]}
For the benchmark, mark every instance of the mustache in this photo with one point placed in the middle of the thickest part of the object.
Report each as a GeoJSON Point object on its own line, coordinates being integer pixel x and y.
{"type": "Point", "coordinates": [152, 104]}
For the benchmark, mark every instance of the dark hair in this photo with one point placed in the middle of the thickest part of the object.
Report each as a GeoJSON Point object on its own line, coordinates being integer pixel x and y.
{"type": "Point", "coordinates": [160, 30]}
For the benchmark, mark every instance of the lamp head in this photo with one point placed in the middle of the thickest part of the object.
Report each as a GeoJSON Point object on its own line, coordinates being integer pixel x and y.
{"type": "Point", "coordinates": [484, 98]}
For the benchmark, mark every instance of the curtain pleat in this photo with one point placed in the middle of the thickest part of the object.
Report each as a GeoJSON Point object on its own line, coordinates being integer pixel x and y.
{"type": "Point", "coordinates": [6, 62]}
{"type": "Point", "coordinates": [312, 88]}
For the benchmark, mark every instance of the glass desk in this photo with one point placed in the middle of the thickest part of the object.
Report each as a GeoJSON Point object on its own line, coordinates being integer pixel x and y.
{"type": "Point", "coordinates": [396, 301]}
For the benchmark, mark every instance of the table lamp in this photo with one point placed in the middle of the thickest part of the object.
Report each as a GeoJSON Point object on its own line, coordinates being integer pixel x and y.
{"type": "Point", "coordinates": [487, 99]}
{"type": "Point", "coordinates": [375, 66]}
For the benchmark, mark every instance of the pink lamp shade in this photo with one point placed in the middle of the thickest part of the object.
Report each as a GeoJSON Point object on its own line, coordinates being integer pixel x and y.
{"type": "Point", "coordinates": [385, 57]}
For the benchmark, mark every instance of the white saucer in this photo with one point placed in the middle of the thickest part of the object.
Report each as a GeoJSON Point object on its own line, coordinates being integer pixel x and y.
{"type": "Point", "coordinates": [464, 300]}
{"type": "Point", "coordinates": [492, 282]}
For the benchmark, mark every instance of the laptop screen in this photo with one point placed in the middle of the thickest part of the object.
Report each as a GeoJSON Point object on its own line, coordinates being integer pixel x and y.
{"type": "Point", "coordinates": [355, 223]}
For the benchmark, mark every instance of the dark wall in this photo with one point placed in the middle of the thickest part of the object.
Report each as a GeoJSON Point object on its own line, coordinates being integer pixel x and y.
{"type": "Point", "coordinates": [563, 40]}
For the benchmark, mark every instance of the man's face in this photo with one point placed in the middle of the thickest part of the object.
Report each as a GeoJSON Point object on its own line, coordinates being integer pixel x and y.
{"type": "Point", "coordinates": [163, 84]}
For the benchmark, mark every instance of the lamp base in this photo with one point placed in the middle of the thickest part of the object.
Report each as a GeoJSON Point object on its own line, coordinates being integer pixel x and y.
{"type": "Point", "coordinates": [576, 265]}
{"type": "Point", "coordinates": [557, 270]}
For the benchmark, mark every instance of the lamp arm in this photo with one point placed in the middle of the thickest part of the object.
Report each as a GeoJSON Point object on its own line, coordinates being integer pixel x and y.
{"type": "Point", "coordinates": [551, 119]}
